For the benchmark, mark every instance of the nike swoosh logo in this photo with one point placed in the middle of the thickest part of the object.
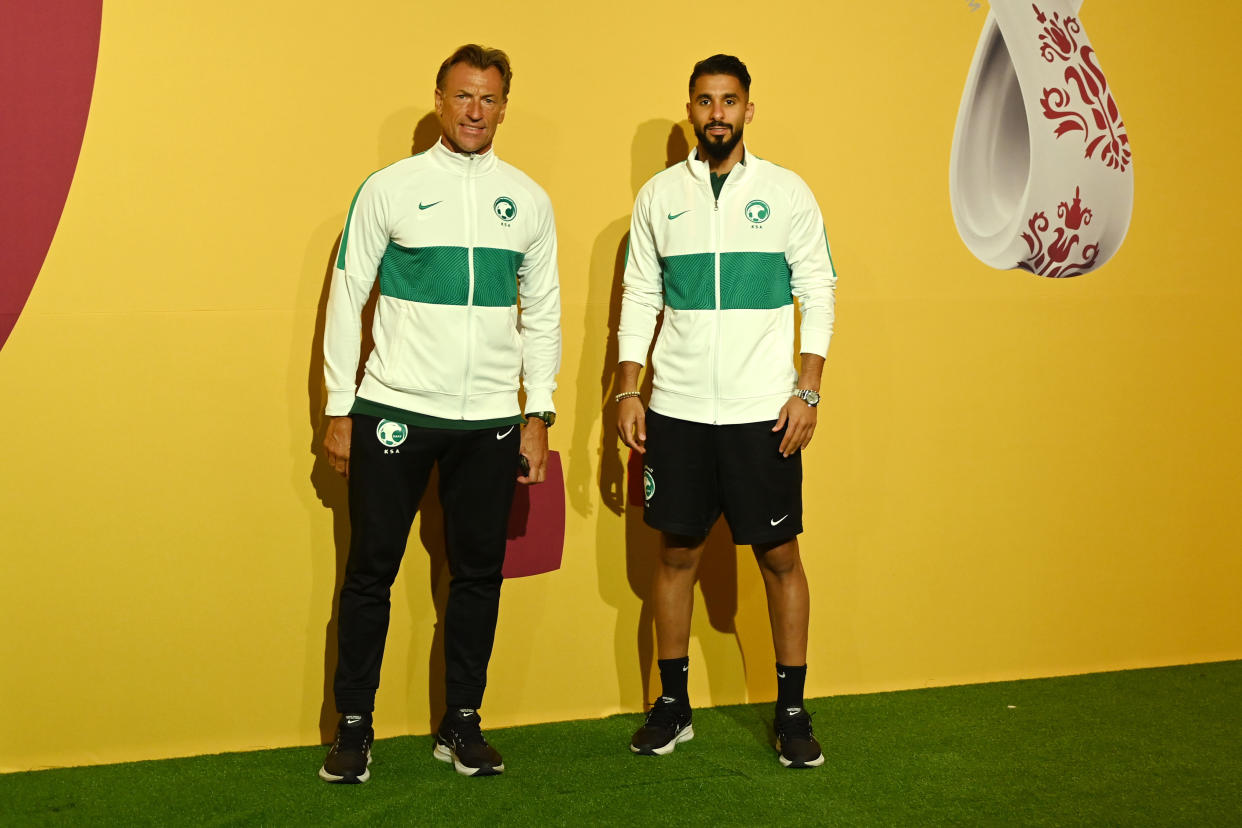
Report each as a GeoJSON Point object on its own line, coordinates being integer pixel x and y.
{"type": "Point", "coordinates": [422, 206]}
{"type": "Point", "coordinates": [780, 675]}
{"type": "Point", "coordinates": [778, 522]}
{"type": "Point", "coordinates": [672, 216]}
{"type": "Point", "coordinates": [506, 434]}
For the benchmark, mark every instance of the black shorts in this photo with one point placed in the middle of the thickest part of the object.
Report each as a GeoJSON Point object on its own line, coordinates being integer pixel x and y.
{"type": "Point", "coordinates": [692, 472]}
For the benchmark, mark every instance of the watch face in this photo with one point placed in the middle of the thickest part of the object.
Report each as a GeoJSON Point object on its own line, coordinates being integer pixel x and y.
{"type": "Point", "coordinates": [808, 396]}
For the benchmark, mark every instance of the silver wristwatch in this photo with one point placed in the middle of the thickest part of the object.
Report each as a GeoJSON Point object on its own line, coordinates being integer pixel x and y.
{"type": "Point", "coordinates": [808, 396]}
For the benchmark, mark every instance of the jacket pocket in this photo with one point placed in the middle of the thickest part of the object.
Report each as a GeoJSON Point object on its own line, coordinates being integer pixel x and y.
{"type": "Point", "coordinates": [419, 347]}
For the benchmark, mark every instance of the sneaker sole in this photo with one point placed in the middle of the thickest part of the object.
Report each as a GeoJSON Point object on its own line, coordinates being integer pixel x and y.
{"type": "Point", "coordinates": [347, 779]}
{"type": "Point", "coordinates": [683, 735]}
{"type": "Point", "coordinates": [445, 754]}
{"type": "Point", "coordinates": [813, 763]}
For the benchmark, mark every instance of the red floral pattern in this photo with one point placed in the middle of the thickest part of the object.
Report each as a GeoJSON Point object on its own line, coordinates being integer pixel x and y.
{"type": "Point", "coordinates": [1056, 258]}
{"type": "Point", "coordinates": [1094, 113]}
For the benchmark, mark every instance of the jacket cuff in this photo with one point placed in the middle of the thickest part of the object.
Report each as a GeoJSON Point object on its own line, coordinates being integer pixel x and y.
{"type": "Point", "coordinates": [539, 400]}
{"type": "Point", "coordinates": [632, 349]}
{"type": "Point", "coordinates": [814, 342]}
{"type": "Point", "coordinates": [339, 403]}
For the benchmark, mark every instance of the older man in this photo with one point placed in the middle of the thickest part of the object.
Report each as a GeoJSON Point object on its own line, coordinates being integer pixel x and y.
{"type": "Point", "coordinates": [454, 236]}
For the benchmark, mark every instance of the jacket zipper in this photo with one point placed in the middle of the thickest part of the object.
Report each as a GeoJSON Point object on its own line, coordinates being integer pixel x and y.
{"type": "Point", "coordinates": [716, 235]}
{"type": "Point", "coordinates": [471, 219]}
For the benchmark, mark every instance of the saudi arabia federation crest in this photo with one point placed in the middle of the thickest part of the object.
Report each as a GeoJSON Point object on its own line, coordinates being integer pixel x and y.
{"type": "Point", "coordinates": [391, 434]}
{"type": "Point", "coordinates": [757, 212]}
{"type": "Point", "coordinates": [648, 483]}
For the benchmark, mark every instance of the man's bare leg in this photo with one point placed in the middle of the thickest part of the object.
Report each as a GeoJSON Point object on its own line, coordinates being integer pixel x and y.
{"type": "Point", "coordinates": [672, 597]}
{"type": "Point", "coordinates": [672, 593]}
{"type": "Point", "coordinates": [789, 610]}
{"type": "Point", "coordinates": [789, 599]}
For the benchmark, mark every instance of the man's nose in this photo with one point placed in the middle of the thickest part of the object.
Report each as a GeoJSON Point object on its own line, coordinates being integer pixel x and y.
{"type": "Point", "coordinates": [474, 110]}
{"type": "Point", "coordinates": [718, 113]}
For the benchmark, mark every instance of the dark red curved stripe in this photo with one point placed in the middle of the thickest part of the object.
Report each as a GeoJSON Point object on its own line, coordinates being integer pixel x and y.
{"type": "Point", "coordinates": [48, 51]}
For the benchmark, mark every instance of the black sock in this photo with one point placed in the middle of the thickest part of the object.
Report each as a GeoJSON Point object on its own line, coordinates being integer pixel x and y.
{"type": "Point", "coordinates": [673, 678]}
{"type": "Point", "coordinates": [356, 719]}
{"type": "Point", "coordinates": [790, 683]}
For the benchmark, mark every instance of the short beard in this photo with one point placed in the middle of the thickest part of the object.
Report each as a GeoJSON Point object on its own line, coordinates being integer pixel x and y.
{"type": "Point", "coordinates": [718, 150]}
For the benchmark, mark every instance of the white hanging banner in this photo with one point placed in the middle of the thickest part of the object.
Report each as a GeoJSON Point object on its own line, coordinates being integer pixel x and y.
{"type": "Point", "coordinates": [1040, 174]}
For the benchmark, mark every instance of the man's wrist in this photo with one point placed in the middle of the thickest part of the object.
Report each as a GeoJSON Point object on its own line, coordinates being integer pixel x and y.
{"type": "Point", "coordinates": [808, 395]}
{"type": "Point", "coordinates": [548, 418]}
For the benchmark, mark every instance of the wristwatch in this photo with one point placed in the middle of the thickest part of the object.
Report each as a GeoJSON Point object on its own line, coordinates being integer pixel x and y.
{"type": "Point", "coordinates": [808, 396]}
{"type": "Point", "coordinates": [548, 417]}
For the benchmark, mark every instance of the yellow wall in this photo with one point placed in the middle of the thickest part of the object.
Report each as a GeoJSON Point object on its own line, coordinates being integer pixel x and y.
{"type": "Point", "coordinates": [1013, 477]}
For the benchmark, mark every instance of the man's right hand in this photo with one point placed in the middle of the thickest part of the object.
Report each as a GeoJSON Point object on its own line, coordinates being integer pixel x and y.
{"type": "Point", "coordinates": [632, 423]}
{"type": "Point", "coordinates": [337, 441]}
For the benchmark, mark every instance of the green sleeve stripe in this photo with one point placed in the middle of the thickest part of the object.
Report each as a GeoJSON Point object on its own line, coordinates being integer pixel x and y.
{"type": "Point", "coordinates": [828, 247]}
{"type": "Point", "coordinates": [340, 256]}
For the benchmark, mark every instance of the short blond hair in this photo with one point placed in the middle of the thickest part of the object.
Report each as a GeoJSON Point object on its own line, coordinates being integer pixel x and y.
{"type": "Point", "coordinates": [480, 57]}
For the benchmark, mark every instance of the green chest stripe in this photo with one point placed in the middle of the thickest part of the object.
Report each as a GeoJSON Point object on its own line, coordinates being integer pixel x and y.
{"type": "Point", "coordinates": [755, 281]}
{"type": "Point", "coordinates": [441, 275]}
{"type": "Point", "coordinates": [495, 277]}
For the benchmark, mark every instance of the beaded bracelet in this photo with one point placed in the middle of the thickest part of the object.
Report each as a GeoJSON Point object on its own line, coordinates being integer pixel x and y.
{"type": "Point", "coordinates": [626, 394]}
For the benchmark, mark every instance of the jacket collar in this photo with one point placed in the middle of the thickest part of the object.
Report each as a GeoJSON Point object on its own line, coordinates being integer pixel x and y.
{"type": "Point", "coordinates": [455, 162]}
{"type": "Point", "coordinates": [699, 170]}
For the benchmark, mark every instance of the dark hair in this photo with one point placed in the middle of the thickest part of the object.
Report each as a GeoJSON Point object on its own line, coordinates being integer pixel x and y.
{"type": "Point", "coordinates": [480, 57]}
{"type": "Point", "coordinates": [721, 65]}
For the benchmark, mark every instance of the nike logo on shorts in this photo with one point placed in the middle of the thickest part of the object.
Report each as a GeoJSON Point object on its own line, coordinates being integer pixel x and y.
{"type": "Point", "coordinates": [500, 436]}
{"type": "Point", "coordinates": [778, 522]}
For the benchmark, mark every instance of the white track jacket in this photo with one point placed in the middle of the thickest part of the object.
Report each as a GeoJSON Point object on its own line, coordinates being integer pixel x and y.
{"type": "Point", "coordinates": [725, 273]}
{"type": "Point", "coordinates": [454, 241]}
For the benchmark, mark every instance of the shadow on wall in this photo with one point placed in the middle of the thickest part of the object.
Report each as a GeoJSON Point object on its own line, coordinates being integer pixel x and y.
{"type": "Point", "coordinates": [658, 144]}
{"type": "Point", "coordinates": [332, 490]}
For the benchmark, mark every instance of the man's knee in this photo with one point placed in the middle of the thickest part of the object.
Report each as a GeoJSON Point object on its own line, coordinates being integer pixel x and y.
{"type": "Point", "coordinates": [780, 559]}
{"type": "Point", "coordinates": [680, 551]}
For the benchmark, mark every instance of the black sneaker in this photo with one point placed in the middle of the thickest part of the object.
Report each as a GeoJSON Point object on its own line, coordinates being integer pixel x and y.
{"type": "Point", "coordinates": [460, 741]}
{"type": "Point", "coordinates": [350, 756]}
{"type": "Point", "coordinates": [795, 739]}
{"type": "Point", "coordinates": [667, 725]}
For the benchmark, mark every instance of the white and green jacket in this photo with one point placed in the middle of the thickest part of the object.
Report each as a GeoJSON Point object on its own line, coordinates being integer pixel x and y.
{"type": "Point", "coordinates": [725, 272]}
{"type": "Point", "coordinates": [455, 240]}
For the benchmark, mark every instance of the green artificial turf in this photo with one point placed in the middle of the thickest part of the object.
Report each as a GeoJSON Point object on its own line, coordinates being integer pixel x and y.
{"type": "Point", "coordinates": [1140, 747]}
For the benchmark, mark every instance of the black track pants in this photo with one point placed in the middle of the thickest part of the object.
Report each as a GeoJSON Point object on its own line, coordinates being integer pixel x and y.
{"type": "Point", "coordinates": [387, 478]}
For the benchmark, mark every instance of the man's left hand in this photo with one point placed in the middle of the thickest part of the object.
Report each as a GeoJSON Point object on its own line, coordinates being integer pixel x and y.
{"type": "Point", "coordinates": [798, 419]}
{"type": "Point", "coordinates": [535, 447]}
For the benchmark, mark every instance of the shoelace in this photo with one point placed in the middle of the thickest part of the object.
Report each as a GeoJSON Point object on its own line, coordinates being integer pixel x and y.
{"type": "Point", "coordinates": [663, 714]}
{"type": "Point", "coordinates": [797, 726]}
{"type": "Point", "coordinates": [466, 731]}
{"type": "Point", "coordinates": [352, 738]}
